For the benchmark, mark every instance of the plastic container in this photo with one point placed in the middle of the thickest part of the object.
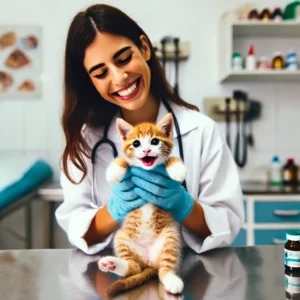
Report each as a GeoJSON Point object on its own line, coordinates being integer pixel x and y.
{"type": "Point", "coordinates": [237, 61]}
{"type": "Point", "coordinates": [278, 62]}
{"type": "Point", "coordinates": [264, 63]}
{"type": "Point", "coordinates": [277, 15]}
{"type": "Point", "coordinates": [265, 15]}
{"type": "Point", "coordinates": [275, 172]}
{"type": "Point", "coordinates": [291, 61]}
{"type": "Point", "coordinates": [250, 59]}
{"type": "Point", "coordinates": [290, 173]}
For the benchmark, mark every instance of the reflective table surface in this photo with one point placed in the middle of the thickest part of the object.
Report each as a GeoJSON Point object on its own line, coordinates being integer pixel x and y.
{"type": "Point", "coordinates": [229, 273]}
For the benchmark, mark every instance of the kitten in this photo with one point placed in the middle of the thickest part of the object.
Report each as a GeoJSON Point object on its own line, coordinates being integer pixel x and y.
{"type": "Point", "coordinates": [148, 243]}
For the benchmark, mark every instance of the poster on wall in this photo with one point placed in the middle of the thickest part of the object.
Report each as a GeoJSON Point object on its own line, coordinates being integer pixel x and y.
{"type": "Point", "coordinates": [20, 61]}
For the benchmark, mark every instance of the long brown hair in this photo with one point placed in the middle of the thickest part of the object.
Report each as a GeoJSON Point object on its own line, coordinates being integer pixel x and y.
{"type": "Point", "coordinates": [82, 102]}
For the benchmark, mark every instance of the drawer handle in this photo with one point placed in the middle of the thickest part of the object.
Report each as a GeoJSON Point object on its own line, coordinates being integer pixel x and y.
{"type": "Point", "coordinates": [278, 242]}
{"type": "Point", "coordinates": [286, 213]}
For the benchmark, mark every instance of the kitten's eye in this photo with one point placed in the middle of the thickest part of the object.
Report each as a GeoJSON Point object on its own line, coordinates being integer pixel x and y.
{"type": "Point", "coordinates": [155, 141]}
{"type": "Point", "coordinates": [136, 143]}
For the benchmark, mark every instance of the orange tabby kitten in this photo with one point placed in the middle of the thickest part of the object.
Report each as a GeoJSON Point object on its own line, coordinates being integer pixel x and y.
{"type": "Point", "coordinates": [148, 243]}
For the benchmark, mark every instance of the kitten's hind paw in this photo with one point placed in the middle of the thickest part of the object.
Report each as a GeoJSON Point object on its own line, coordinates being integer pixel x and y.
{"type": "Point", "coordinates": [114, 265]}
{"type": "Point", "coordinates": [173, 284]}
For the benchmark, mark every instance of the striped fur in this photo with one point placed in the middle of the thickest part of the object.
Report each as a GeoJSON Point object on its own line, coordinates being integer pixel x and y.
{"type": "Point", "coordinates": [148, 240]}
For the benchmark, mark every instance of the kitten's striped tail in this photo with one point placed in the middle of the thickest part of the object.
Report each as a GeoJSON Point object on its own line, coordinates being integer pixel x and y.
{"type": "Point", "coordinates": [130, 282]}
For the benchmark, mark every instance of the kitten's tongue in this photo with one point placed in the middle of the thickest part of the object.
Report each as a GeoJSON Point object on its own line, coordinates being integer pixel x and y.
{"type": "Point", "coordinates": [148, 160]}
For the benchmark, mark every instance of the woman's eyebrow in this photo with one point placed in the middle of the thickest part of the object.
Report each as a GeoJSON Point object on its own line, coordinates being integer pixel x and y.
{"type": "Point", "coordinates": [116, 55]}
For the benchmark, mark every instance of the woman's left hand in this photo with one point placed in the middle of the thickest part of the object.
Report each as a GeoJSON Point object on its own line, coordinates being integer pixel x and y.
{"type": "Point", "coordinates": [155, 186]}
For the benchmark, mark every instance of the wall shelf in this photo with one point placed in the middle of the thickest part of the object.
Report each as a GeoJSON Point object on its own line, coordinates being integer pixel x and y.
{"type": "Point", "coordinates": [262, 76]}
{"type": "Point", "coordinates": [266, 29]}
{"type": "Point", "coordinates": [233, 36]}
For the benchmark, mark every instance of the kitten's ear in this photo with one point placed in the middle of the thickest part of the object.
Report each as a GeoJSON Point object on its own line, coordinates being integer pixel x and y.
{"type": "Point", "coordinates": [123, 128]}
{"type": "Point", "coordinates": [166, 125]}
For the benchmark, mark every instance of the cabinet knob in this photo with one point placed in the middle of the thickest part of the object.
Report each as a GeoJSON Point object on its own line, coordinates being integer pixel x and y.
{"type": "Point", "coordinates": [286, 213]}
{"type": "Point", "coordinates": [279, 242]}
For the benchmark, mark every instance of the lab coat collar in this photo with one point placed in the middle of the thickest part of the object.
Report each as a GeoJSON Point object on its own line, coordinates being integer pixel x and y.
{"type": "Point", "coordinates": [184, 116]}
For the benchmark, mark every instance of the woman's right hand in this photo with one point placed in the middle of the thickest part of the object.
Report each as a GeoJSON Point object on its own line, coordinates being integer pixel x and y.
{"type": "Point", "coordinates": [123, 199]}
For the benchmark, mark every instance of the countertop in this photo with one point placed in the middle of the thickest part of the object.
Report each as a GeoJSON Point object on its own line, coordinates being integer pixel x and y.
{"type": "Point", "coordinates": [52, 191]}
{"type": "Point", "coordinates": [229, 273]}
{"type": "Point", "coordinates": [256, 187]}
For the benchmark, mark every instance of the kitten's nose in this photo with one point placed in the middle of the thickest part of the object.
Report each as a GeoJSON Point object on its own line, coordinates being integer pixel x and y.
{"type": "Point", "coordinates": [146, 151]}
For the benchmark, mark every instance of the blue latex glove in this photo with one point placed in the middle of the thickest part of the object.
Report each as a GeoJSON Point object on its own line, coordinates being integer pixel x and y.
{"type": "Point", "coordinates": [124, 199]}
{"type": "Point", "coordinates": [156, 187]}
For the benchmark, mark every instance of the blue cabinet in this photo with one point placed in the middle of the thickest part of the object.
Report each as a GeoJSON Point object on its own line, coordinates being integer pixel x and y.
{"type": "Point", "coordinates": [269, 236]}
{"type": "Point", "coordinates": [240, 239]}
{"type": "Point", "coordinates": [268, 218]}
{"type": "Point", "coordinates": [277, 212]}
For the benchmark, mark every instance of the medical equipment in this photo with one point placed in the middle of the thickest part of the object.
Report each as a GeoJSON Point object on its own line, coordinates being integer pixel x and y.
{"type": "Point", "coordinates": [177, 51]}
{"type": "Point", "coordinates": [106, 140]}
{"type": "Point", "coordinates": [241, 137]}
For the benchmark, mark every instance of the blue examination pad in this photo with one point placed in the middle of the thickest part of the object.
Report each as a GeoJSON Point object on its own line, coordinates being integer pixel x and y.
{"type": "Point", "coordinates": [33, 177]}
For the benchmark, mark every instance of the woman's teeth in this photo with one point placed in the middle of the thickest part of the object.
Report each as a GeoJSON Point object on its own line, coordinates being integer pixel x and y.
{"type": "Point", "coordinates": [128, 91]}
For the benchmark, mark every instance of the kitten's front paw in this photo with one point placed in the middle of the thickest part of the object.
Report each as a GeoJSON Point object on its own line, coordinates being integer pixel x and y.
{"type": "Point", "coordinates": [115, 173]}
{"type": "Point", "coordinates": [177, 171]}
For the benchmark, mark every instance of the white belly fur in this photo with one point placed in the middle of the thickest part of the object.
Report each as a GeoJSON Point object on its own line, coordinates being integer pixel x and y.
{"type": "Point", "coordinates": [148, 246]}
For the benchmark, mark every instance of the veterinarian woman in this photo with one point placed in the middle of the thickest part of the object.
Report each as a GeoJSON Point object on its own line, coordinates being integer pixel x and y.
{"type": "Point", "coordinates": [111, 70]}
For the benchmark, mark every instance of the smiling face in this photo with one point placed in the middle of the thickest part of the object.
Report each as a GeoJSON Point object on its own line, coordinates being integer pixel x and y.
{"type": "Point", "coordinates": [147, 145]}
{"type": "Point", "coordinates": [119, 69]}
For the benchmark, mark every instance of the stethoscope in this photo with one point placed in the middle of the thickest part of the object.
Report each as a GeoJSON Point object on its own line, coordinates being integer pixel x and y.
{"type": "Point", "coordinates": [106, 140]}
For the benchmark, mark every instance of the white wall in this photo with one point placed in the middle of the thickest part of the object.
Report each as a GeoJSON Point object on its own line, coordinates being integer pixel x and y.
{"type": "Point", "coordinates": [31, 128]}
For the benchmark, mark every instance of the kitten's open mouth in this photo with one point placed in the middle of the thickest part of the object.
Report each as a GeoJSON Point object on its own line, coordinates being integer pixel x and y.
{"type": "Point", "coordinates": [148, 160]}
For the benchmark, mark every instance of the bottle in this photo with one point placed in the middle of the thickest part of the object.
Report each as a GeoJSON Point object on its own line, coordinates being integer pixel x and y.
{"type": "Point", "coordinates": [292, 284]}
{"type": "Point", "coordinates": [253, 15]}
{"type": "Point", "coordinates": [291, 61]}
{"type": "Point", "coordinates": [292, 250]}
{"type": "Point", "coordinates": [265, 15]}
{"type": "Point", "coordinates": [290, 173]}
{"type": "Point", "coordinates": [250, 59]}
{"type": "Point", "coordinates": [264, 63]}
{"type": "Point", "coordinates": [278, 61]}
{"type": "Point", "coordinates": [277, 15]}
{"type": "Point", "coordinates": [237, 61]}
{"type": "Point", "coordinates": [275, 172]}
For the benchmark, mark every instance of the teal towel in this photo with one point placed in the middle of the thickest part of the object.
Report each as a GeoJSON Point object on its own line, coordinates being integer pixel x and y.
{"type": "Point", "coordinates": [33, 177]}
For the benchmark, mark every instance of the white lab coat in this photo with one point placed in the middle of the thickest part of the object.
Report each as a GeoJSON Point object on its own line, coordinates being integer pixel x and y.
{"type": "Point", "coordinates": [212, 179]}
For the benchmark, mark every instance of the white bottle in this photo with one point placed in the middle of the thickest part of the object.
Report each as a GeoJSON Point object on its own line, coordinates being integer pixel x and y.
{"type": "Point", "coordinates": [275, 172]}
{"type": "Point", "coordinates": [250, 59]}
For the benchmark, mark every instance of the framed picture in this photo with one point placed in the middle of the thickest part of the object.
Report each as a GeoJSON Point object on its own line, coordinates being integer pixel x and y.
{"type": "Point", "coordinates": [20, 61]}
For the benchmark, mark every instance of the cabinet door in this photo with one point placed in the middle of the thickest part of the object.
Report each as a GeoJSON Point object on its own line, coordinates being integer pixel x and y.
{"type": "Point", "coordinates": [245, 210]}
{"type": "Point", "coordinates": [277, 212]}
{"type": "Point", "coordinates": [270, 236]}
{"type": "Point", "coordinates": [240, 239]}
